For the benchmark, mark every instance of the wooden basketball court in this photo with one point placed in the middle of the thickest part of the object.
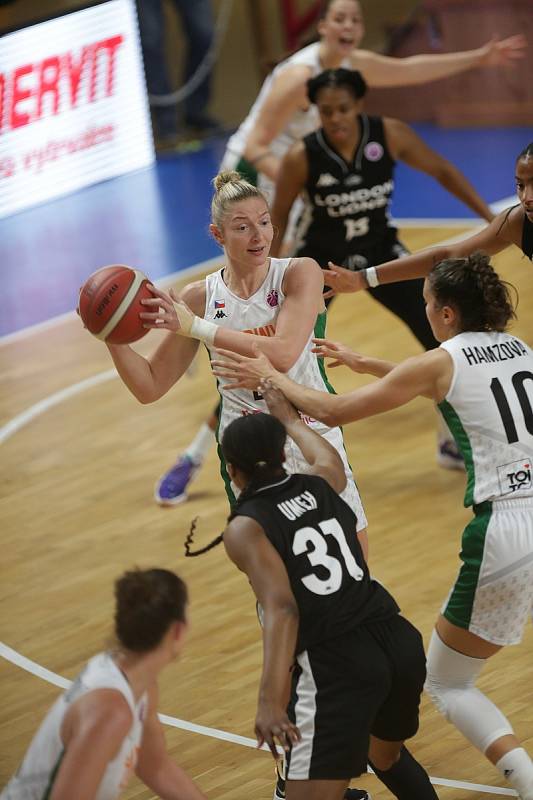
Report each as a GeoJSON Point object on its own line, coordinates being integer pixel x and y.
{"type": "Point", "coordinates": [77, 509]}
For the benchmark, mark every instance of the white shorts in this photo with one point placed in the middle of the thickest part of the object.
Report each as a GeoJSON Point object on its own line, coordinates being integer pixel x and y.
{"type": "Point", "coordinates": [493, 594]}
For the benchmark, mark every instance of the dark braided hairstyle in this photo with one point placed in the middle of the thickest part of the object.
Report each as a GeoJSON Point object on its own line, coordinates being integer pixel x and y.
{"type": "Point", "coordinates": [254, 445]}
{"type": "Point", "coordinates": [475, 290]}
{"type": "Point", "coordinates": [341, 78]}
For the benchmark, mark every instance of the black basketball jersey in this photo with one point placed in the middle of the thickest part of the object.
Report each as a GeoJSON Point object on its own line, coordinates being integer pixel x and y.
{"type": "Point", "coordinates": [313, 530]}
{"type": "Point", "coordinates": [527, 238]}
{"type": "Point", "coordinates": [347, 204]}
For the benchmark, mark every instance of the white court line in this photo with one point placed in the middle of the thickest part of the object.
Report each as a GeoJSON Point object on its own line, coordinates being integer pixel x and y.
{"type": "Point", "coordinates": [21, 420]}
{"type": "Point", "coordinates": [41, 672]}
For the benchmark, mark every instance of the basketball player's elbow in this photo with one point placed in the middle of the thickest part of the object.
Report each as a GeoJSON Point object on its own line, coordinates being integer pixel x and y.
{"type": "Point", "coordinates": [285, 357]}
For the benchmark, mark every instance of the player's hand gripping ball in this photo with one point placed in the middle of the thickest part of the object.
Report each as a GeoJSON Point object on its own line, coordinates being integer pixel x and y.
{"type": "Point", "coordinates": [110, 304]}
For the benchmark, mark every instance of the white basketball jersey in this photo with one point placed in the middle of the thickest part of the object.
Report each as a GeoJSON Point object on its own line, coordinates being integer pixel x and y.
{"type": "Point", "coordinates": [489, 409]}
{"type": "Point", "coordinates": [303, 122]}
{"type": "Point", "coordinates": [35, 777]}
{"type": "Point", "coordinates": [258, 314]}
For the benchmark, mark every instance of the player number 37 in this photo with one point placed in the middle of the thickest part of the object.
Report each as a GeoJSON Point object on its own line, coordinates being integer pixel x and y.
{"type": "Point", "coordinates": [319, 556]}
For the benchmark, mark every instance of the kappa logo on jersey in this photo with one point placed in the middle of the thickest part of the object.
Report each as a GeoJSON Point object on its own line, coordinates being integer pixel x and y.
{"type": "Point", "coordinates": [220, 314]}
{"type": "Point", "coordinates": [326, 179]}
{"type": "Point", "coordinates": [515, 476]}
{"type": "Point", "coordinates": [353, 180]}
{"type": "Point", "coordinates": [373, 151]}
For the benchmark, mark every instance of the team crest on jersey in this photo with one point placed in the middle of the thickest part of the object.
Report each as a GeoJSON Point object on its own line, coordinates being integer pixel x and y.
{"type": "Point", "coordinates": [273, 298]}
{"type": "Point", "coordinates": [373, 151]}
{"type": "Point", "coordinates": [326, 179]}
{"type": "Point", "coordinates": [515, 476]}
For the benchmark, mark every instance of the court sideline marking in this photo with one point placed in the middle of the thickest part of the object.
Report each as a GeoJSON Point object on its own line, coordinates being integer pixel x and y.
{"type": "Point", "coordinates": [21, 420]}
{"type": "Point", "coordinates": [214, 733]}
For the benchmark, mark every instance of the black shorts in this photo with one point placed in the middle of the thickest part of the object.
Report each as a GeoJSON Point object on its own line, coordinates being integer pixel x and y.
{"type": "Point", "coordinates": [367, 681]}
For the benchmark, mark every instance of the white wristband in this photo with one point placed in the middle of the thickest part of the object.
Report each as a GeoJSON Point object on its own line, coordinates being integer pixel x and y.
{"type": "Point", "coordinates": [203, 330]}
{"type": "Point", "coordinates": [371, 276]}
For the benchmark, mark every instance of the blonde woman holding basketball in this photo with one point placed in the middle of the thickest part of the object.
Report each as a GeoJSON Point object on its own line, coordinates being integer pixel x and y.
{"type": "Point", "coordinates": [282, 116]}
{"type": "Point", "coordinates": [274, 303]}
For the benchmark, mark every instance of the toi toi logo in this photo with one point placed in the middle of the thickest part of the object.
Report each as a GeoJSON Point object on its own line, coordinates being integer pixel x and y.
{"type": "Point", "coordinates": [273, 298]}
{"type": "Point", "coordinates": [515, 476]}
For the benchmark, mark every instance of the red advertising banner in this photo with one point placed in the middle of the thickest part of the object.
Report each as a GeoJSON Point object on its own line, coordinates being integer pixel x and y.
{"type": "Point", "coordinates": [73, 104]}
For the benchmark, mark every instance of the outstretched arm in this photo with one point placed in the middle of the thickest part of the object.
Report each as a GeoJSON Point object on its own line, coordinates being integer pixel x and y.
{"type": "Point", "coordinates": [428, 375]}
{"type": "Point", "coordinates": [407, 146]}
{"type": "Point", "coordinates": [251, 551]}
{"type": "Point", "coordinates": [364, 365]}
{"type": "Point", "coordinates": [504, 230]}
{"type": "Point", "coordinates": [385, 71]}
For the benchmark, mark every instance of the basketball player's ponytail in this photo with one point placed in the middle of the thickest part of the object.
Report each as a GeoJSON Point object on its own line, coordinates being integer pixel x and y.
{"type": "Point", "coordinates": [254, 444]}
{"type": "Point", "coordinates": [472, 287]}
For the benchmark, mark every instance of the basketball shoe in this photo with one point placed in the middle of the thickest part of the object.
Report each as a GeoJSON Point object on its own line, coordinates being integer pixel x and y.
{"type": "Point", "coordinates": [171, 488]}
{"type": "Point", "coordinates": [448, 455]}
{"type": "Point", "coordinates": [279, 791]}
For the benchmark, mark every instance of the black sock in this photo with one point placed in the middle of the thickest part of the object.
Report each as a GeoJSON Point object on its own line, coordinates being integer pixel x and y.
{"type": "Point", "coordinates": [407, 779]}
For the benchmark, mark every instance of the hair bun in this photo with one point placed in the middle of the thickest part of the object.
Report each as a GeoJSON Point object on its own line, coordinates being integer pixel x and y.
{"type": "Point", "coordinates": [228, 176]}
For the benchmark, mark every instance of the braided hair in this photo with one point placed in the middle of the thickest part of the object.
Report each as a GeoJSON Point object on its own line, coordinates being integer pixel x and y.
{"type": "Point", "coordinates": [341, 78]}
{"type": "Point", "coordinates": [472, 287]}
{"type": "Point", "coordinates": [254, 444]}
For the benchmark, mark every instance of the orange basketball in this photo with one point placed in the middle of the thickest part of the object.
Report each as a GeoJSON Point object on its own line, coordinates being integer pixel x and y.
{"type": "Point", "coordinates": [110, 303]}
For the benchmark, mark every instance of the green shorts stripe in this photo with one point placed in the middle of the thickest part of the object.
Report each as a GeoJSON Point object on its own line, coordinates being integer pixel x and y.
{"type": "Point", "coordinates": [459, 606]}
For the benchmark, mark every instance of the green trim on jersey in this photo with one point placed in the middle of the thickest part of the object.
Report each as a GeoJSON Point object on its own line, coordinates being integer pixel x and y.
{"type": "Point", "coordinates": [465, 448]}
{"type": "Point", "coordinates": [320, 333]}
{"type": "Point", "coordinates": [460, 604]}
{"type": "Point", "coordinates": [223, 468]}
{"type": "Point", "coordinates": [225, 477]}
{"type": "Point", "coordinates": [247, 171]}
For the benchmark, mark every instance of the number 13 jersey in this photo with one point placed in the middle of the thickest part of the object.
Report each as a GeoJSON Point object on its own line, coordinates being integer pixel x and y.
{"type": "Point", "coordinates": [489, 409]}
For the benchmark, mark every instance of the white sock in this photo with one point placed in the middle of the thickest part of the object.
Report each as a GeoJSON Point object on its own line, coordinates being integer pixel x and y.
{"type": "Point", "coordinates": [517, 768]}
{"type": "Point", "coordinates": [200, 445]}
